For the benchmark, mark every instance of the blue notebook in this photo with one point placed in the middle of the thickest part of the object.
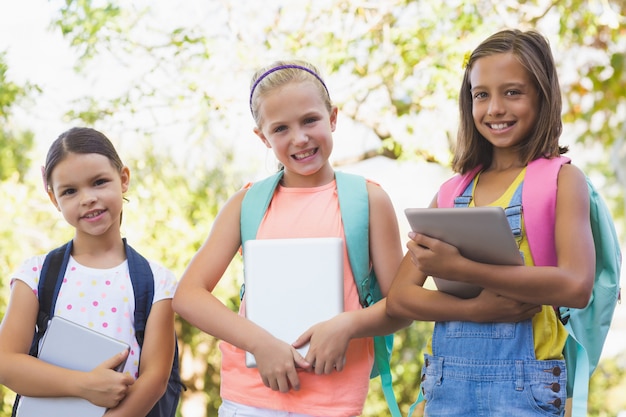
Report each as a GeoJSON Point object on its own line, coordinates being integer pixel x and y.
{"type": "Point", "coordinates": [71, 346]}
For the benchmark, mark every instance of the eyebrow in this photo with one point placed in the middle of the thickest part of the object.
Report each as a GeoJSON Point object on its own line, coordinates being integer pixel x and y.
{"type": "Point", "coordinates": [504, 86]}
{"type": "Point", "coordinates": [92, 178]}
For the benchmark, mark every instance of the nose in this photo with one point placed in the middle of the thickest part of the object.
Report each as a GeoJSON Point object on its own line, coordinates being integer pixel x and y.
{"type": "Point", "coordinates": [496, 106]}
{"type": "Point", "coordinates": [299, 137]}
{"type": "Point", "coordinates": [87, 198]}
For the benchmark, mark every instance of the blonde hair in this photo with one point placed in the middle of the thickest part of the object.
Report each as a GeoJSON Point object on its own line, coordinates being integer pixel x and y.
{"type": "Point", "coordinates": [281, 73]}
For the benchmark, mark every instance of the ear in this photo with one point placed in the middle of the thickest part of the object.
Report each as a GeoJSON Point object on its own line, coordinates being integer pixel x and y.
{"type": "Point", "coordinates": [333, 118]}
{"type": "Point", "coordinates": [261, 136]}
{"type": "Point", "coordinates": [53, 199]}
{"type": "Point", "coordinates": [125, 178]}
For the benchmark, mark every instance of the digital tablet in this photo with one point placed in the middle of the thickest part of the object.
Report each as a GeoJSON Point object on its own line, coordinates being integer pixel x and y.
{"type": "Point", "coordinates": [481, 234]}
{"type": "Point", "coordinates": [292, 284]}
{"type": "Point", "coordinates": [71, 346]}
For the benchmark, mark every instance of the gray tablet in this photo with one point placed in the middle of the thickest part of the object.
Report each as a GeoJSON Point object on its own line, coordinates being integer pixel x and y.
{"type": "Point", "coordinates": [481, 234]}
{"type": "Point", "coordinates": [71, 346]}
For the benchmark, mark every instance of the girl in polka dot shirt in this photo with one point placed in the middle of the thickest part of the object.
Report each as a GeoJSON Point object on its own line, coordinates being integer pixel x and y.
{"type": "Point", "coordinates": [86, 180]}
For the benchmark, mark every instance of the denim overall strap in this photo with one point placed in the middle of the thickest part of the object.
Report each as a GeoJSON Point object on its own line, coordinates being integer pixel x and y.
{"type": "Point", "coordinates": [480, 369]}
{"type": "Point", "coordinates": [513, 211]}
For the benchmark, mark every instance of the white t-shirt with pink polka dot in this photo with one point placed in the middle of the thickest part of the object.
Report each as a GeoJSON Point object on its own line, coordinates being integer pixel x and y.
{"type": "Point", "coordinates": [101, 299]}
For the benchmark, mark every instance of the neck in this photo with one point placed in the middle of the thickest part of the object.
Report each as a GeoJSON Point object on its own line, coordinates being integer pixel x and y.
{"type": "Point", "coordinates": [322, 177]}
{"type": "Point", "coordinates": [99, 251]}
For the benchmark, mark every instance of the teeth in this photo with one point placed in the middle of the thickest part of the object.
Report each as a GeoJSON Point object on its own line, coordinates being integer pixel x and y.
{"type": "Point", "coordinates": [305, 154]}
{"type": "Point", "coordinates": [499, 126]}
{"type": "Point", "coordinates": [91, 215]}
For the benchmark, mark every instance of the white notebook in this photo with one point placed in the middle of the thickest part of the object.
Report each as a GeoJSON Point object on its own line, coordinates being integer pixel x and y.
{"type": "Point", "coordinates": [71, 346]}
{"type": "Point", "coordinates": [292, 284]}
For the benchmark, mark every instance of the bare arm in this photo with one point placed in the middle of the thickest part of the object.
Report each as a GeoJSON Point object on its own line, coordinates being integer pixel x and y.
{"type": "Point", "coordinates": [195, 302]}
{"type": "Point", "coordinates": [32, 377]}
{"type": "Point", "coordinates": [567, 284]}
{"type": "Point", "coordinates": [409, 299]}
{"type": "Point", "coordinates": [155, 364]}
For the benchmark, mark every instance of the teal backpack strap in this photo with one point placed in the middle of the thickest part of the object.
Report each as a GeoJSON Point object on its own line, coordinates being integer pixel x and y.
{"type": "Point", "coordinates": [353, 199]}
{"type": "Point", "coordinates": [354, 205]}
{"type": "Point", "coordinates": [255, 204]}
{"type": "Point", "coordinates": [589, 327]}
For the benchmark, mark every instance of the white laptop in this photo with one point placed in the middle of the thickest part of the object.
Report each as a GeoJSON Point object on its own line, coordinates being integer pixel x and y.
{"type": "Point", "coordinates": [481, 234]}
{"type": "Point", "coordinates": [72, 346]}
{"type": "Point", "coordinates": [292, 284]}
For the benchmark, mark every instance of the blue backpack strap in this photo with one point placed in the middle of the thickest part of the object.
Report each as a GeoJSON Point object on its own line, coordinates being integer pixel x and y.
{"type": "Point", "coordinates": [143, 288]}
{"type": "Point", "coordinates": [353, 198]}
{"type": "Point", "coordinates": [142, 280]}
{"type": "Point", "coordinates": [50, 280]}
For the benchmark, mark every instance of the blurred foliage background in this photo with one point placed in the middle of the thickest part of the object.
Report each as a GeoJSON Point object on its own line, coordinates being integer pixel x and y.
{"type": "Point", "coordinates": [168, 83]}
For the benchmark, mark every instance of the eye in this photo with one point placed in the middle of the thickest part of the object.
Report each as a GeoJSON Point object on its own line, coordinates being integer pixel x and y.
{"type": "Point", "coordinates": [100, 181]}
{"type": "Point", "coordinates": [280, 129]}
{"type": "Point", "coordinates": [479, 95]}
{"type": "Point", "coordinates": [512, 92]}
{"type": "Point", "coordinates": [68, 191]}
{"type": "Point", "coordinates": [309, 120]}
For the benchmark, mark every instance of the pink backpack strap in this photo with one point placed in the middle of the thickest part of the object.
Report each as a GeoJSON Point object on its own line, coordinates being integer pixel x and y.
{"type": "Point", "coordinates": [454, 187]}
{"type": "Point", "coordinates": [539, 207]}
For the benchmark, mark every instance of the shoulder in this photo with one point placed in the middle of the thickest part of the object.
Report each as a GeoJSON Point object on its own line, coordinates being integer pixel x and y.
{"type": "Point", "coordinates": [572, 183]}
{"type": "Point", "coordinates": [571, 172]}
{"type": "Point", "coordinates": [29, 270]}
{"type": "Point", "coordinates": [165, 281]}
{"type": "Point", "coordinates": [159, 271]}
{"type": "Point", "coordinates": [376, 192]}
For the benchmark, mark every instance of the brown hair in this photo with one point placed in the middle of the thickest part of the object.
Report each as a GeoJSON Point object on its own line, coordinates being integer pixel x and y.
{"type": "Point", "coordinates": [533, 52]}
{"type": "Point", "coordinates": [81, 140]}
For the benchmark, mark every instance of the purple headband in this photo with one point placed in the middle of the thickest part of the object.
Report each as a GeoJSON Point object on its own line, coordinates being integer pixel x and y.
{"type": "Point", "coordinates": [280, 67]}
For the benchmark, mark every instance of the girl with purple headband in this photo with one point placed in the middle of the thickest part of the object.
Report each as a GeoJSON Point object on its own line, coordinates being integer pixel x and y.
{"type": "Point", "coordinates": [295, 118]}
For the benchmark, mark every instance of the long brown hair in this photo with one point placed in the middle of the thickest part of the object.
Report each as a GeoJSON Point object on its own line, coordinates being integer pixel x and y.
{"type": "Point", "coordinates": [533, 52]}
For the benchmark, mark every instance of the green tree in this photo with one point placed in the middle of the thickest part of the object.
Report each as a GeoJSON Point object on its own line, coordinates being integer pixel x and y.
{"type": "Point", "coordinates": [393, 68]}
{"type": "Point", "coordinates": [14, 145]}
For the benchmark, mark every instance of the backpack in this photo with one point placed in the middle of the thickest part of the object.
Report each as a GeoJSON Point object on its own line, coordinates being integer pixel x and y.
{"type": "Point", "coordinates": [50, 280]}
{"type": "Point", "coordinates": [354, 206]}
{"type": "Point", "coordinates": [587, 327]}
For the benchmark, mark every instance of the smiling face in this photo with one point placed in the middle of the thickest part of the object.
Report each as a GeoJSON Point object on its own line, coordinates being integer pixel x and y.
{"type": "Point", "coordinates": [88, 190]}
{"type": "Point", "coordinates": [297, 126]}
{"type": "Point", "coordinates": [505, 101]}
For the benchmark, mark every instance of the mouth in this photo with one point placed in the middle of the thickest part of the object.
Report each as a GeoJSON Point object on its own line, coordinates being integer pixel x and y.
{"type": "Point", "coordinates": [500, 126]}
{"type": "Point", "coordinates": [304, 154]}
{"type": "Point", "coordinates": [93, 214]}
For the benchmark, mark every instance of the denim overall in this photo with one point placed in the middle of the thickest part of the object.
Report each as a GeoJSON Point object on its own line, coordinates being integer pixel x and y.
{"type": "Point", "coordinates": [489, 369]}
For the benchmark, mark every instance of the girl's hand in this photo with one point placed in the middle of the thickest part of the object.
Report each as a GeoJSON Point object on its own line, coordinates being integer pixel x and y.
{"type": "Point", "coordinates": [277, 362]}
{"type": "Point", "coordinates": [328, 344]}
{"type": "Point", "coordinates": [491, 307]}
{"type": "Point", "coordinates": [433, 257]}
{"type": "Point", "coordinates": [106, 387]}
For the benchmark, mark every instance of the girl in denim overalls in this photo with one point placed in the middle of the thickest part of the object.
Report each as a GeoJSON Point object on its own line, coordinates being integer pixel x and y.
{"type": "Point", "coordinates": [500, 353]}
